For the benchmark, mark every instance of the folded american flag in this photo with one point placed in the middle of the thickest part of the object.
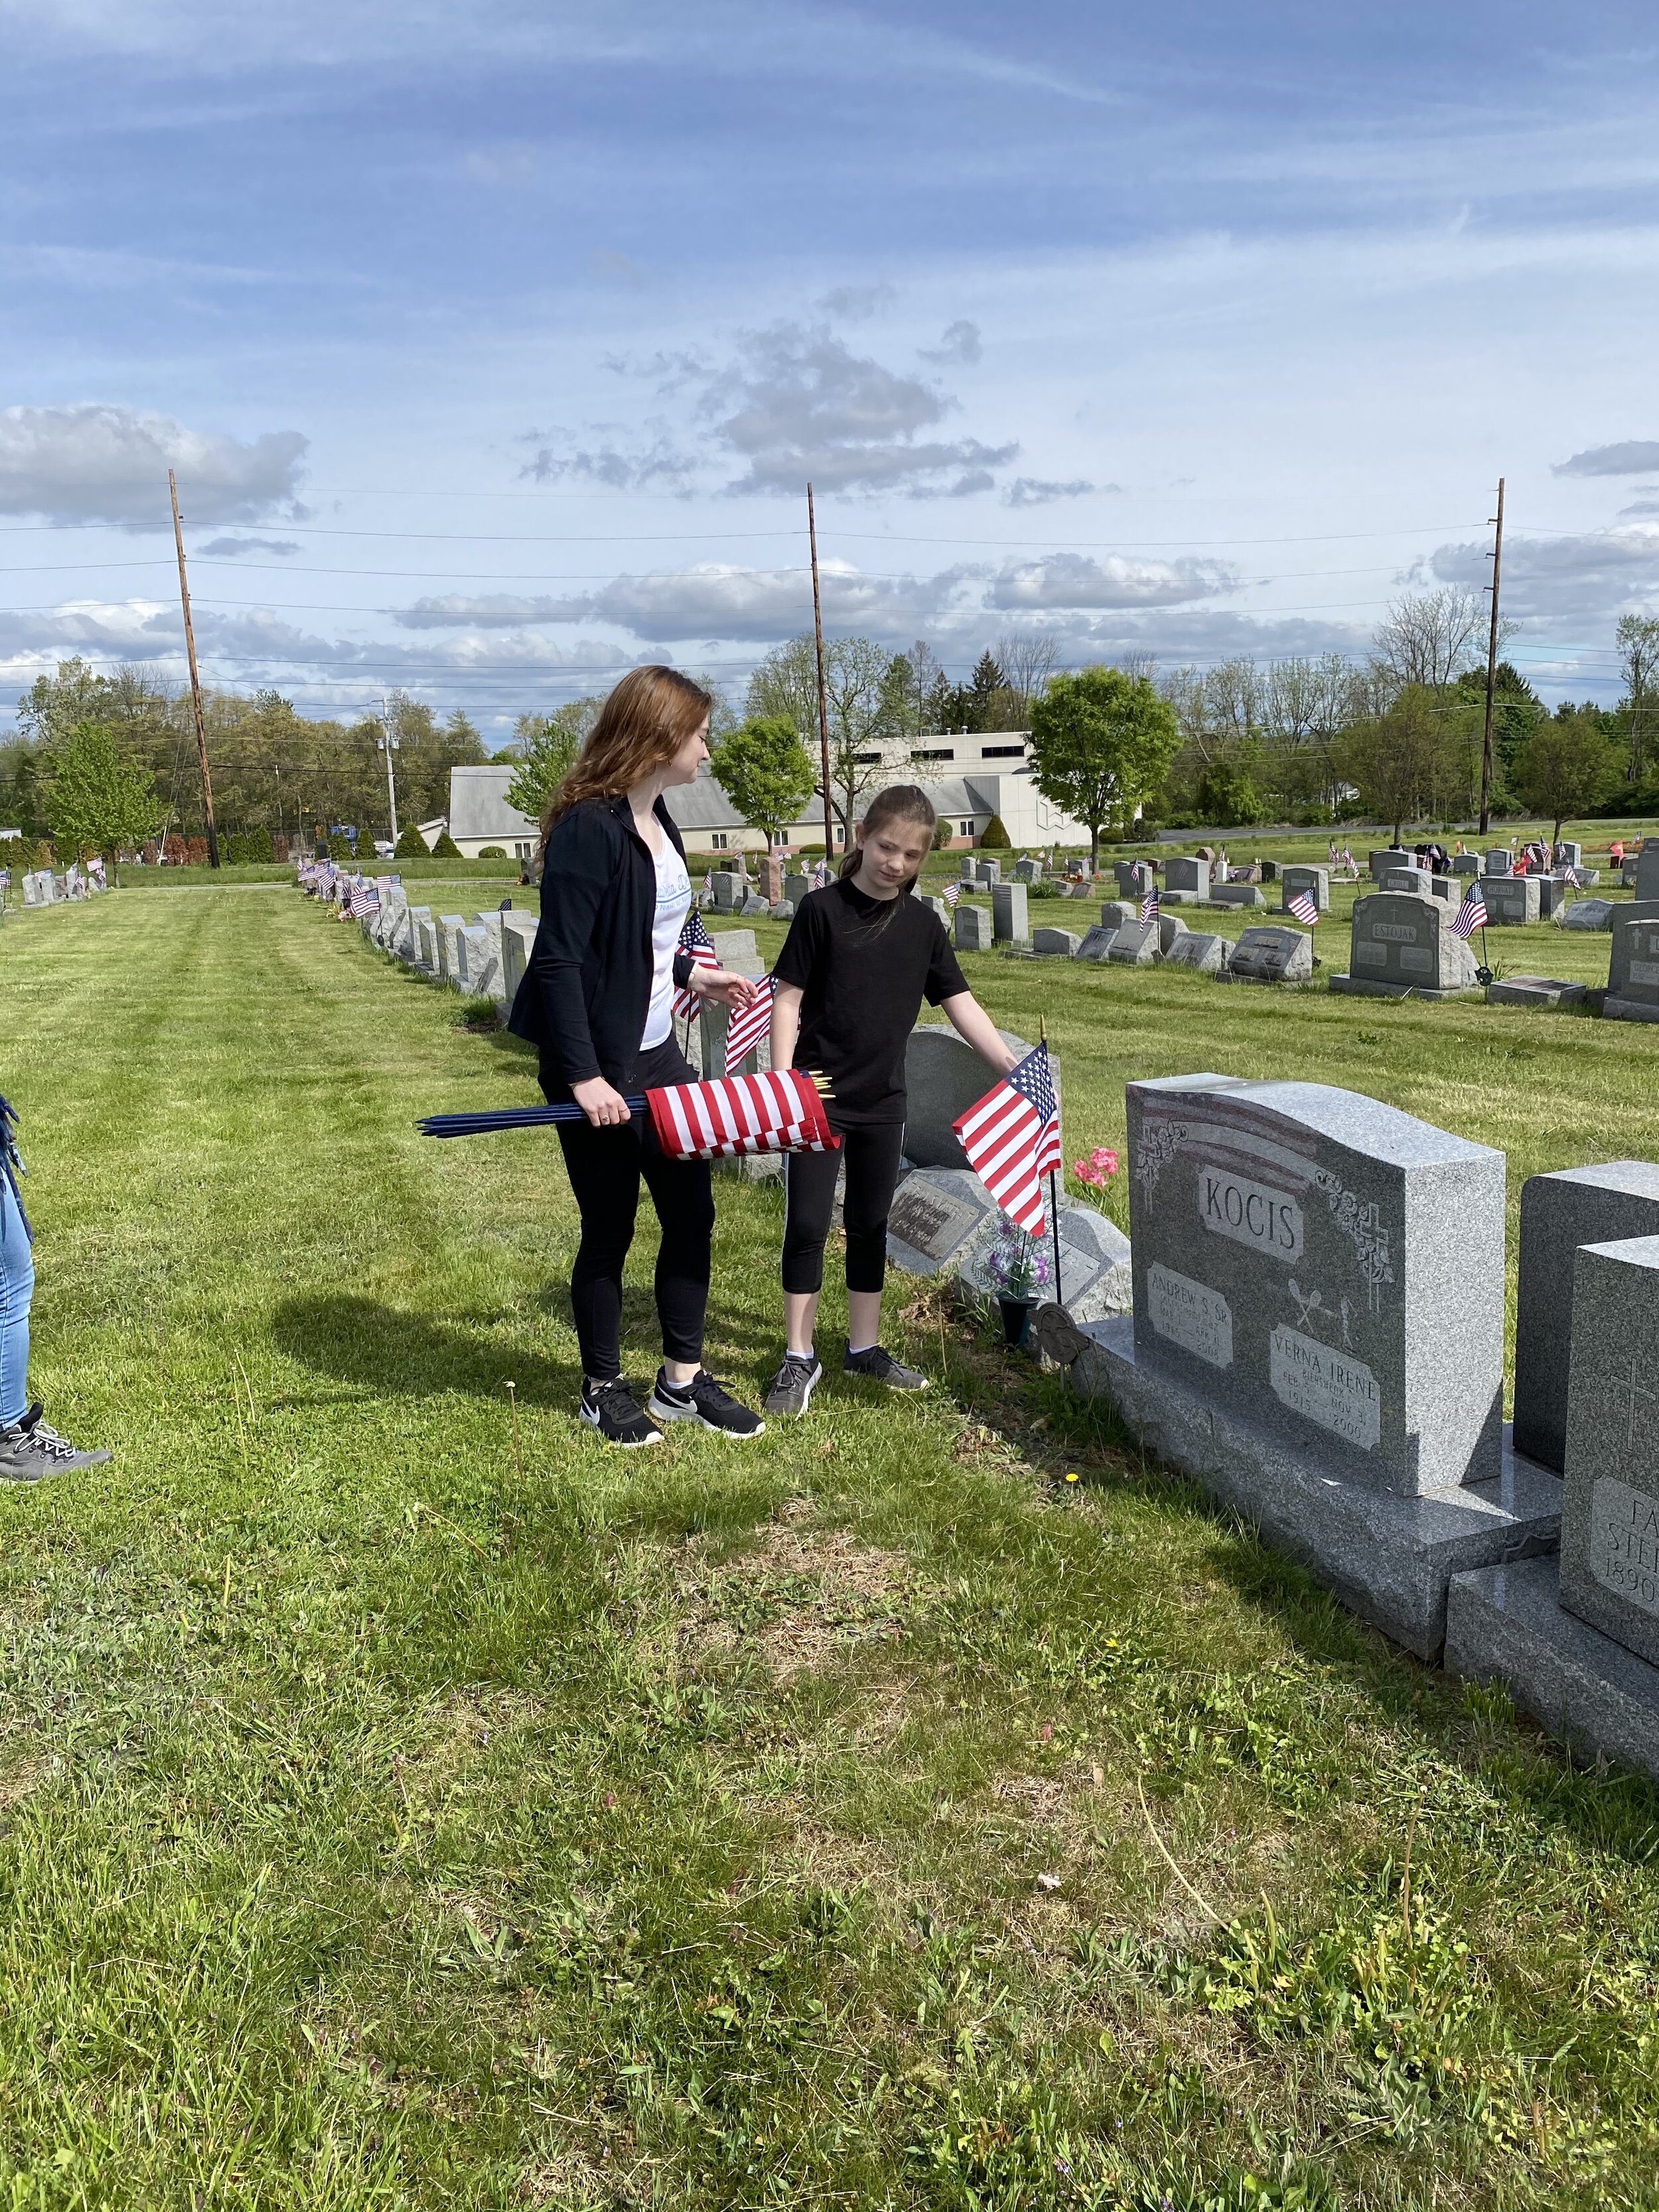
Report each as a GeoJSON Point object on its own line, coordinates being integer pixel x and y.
{"type": "Point", "coordinates": [1304, 907]}
{"type": "Point", "coordinates": [750, 1023]}
{"type": "Point", "coordinates": [1471, 915]}
{"type": "Point", "coordinates": [1011, 1138]}
{"type": "Point", "coordinates": [696, 941]}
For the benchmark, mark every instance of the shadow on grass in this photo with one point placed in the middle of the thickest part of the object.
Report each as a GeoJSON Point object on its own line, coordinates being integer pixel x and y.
{"type": "Point", "coordinates": [409, 1356]}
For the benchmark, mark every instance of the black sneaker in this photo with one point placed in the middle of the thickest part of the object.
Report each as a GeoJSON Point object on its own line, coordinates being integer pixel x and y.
{"type": "Point", "coordinates": [879, 1367]}
{"type": "Point", "coordinates": [702, 1400]}
{"type": "Point", "coordinates": [613, 1411]}
{"type": "Point", "coordinates": [790, 1390]}
{"type": "Point", "coordinates": [29, 1450]}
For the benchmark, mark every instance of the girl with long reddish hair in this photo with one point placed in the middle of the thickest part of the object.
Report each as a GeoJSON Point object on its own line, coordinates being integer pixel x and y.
{"type": "Point", "coordinates": [597, 1001]}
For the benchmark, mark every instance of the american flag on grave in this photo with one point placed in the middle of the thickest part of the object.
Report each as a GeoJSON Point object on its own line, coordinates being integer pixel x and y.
{"type": "Point", "coordinates": [696, 941]}
{"type": "Point", "coordinates": [1304, 907]}
{"type": "Point", "coordinates": [364, 900]}
{"type": "Point", "coordinates": [779, 1110]}
{"type": "Point", "coordinates": [1571, 875]}
{"type": "Point", "coordinates": [1011, 1138]}
{"type": "Point", "coordinates": [951, 893]}
{"type": "Point", "coordinates": [1149, 903]}
{"type": "Point", "coordinates": [1471, 915]}
{"type": "Point", "coordinates": [820, 875]}
{"type": "Point", "coordinates": [750, 1024]}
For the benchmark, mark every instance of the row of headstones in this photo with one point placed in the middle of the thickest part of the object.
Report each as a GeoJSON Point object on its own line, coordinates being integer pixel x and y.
{"type": "Point", "coordinates": [1402, 940]}
{"type": "Point", "coordinates": [1317, 1336]}
{"type": "Point", "coordinates": [42, 887]}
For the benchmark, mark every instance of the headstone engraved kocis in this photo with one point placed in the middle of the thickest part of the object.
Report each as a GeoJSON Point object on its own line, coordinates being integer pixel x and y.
{"type": "Point", "coordinates": [1577, 1639]}
{"type": "Point", "coordinates": [1318, 1335]}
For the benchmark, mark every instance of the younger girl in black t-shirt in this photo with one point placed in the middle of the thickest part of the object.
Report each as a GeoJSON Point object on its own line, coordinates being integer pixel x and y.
{"type": "Point", "coordinates": [861, 957]}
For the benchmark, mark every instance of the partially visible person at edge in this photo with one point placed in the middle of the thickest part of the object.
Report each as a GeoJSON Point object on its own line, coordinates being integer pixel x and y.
{"type": "Point", "coordinates": [861, 957]}
{"type": "Point", "coordinates": [597, 1001]}
{"type": "Point", "coordinates": [29, 1448]}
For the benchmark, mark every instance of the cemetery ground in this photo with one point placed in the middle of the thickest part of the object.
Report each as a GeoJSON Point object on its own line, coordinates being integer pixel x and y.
{"type": "Point", "coordinates": [871, 1815]}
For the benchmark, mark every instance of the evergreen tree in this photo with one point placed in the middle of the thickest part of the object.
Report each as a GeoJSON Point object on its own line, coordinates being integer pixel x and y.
{"type": "Point", "coordinates": [446, 848]}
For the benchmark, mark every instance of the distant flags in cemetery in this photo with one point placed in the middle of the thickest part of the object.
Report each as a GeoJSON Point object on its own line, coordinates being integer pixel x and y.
{"type": "Point", "coordinates": [1302, 905]}
{"type": "Point", "coordinates": [1471, 915]}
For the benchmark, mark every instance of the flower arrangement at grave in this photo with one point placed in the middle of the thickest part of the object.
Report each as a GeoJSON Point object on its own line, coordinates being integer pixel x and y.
{"type": "Point", "coordinates": [1098, 1171]}
{"type": "Point", "coordinates": [1017, 1262]}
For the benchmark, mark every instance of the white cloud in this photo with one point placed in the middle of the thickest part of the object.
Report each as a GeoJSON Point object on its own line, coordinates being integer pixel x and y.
{"type": "Point", "coordinates": [717, 601]}
{"type": "Point", "coordinates": [98, 463]}
{"type": "Point", "coordinates": [1037, 491]}
{"type": "Point", "coordinates": [959, 346]}
{"type": "Point", "coordinates": [1574, 575]}
{"type": "Point", "coordinates": [221, 549]}
{"type": "Point", "coordinates": [1078, 580]}
{"type": "Point", "coordinates": [1635, 457]}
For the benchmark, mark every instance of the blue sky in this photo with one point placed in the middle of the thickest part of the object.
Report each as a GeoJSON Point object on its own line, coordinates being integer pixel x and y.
{"type": "Point", "coordinates": [494, 344]}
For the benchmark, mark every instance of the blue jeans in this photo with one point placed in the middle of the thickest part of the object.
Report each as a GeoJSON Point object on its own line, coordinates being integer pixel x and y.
{"type": "Point", "coordinates": [17, 1289]}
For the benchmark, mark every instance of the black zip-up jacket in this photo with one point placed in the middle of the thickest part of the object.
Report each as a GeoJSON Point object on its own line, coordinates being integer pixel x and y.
{"type": "Point", "coordinates": [588, 989]}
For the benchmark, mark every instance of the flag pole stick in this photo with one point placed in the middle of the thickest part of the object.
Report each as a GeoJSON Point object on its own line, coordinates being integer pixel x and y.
{"type": "Point", "coordinates": [1053, 1201]}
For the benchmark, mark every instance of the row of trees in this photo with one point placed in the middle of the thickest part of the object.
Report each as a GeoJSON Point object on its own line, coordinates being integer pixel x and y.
{"type": "Point", "coordinates": [275, 773]}
{"type": "Point", "coordinates": [1396, 737]}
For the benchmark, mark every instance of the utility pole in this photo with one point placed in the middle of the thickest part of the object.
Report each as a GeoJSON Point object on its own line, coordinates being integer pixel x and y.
{"type": "Point", "coordinates": [195, 678]}
{"type": "Point", "coordinates": [824, 703]}
{"type": "Point", "coordinates": [1491, 666]}
{"type": "Point", "coordinates": [388, 747]}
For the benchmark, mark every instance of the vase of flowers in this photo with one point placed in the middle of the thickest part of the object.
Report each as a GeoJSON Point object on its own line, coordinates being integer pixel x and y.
{"type": "Point", "coordinates": [1019, 1267]}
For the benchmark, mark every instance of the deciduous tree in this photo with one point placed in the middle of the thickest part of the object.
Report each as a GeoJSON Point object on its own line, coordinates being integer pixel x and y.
{"type": "Point", "coordinates": [1565, 768]}
{"type": "Point", "coordinates": [1101, 743]}
{"type": "Point", "coordinates": [764, 769]}
{"type": "Point", "coordinates": [100, 799]}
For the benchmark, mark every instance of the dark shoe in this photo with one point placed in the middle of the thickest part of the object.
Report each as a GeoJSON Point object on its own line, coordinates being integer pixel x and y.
{"type": "Point", "coordinates": [879, 1366]}
{"type": "Point", "coordinates": [790, 1390]}
{"type": "Point", "coordinates": [702, 1400]}
{"type": "Point", "coordinates": [613, 1410]}
{"type": "Point", "coordinates": [30, 1450]}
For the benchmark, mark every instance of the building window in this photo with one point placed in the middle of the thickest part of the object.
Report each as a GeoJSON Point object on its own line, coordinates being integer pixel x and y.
{"type": "Point", "coordinates": [1002, 752]}
{"type": "Point", "coordinates": [966, 829]}
{"type": "Point", "coordinates": [780, 837]}
{"type": "Point", "coordinates": [521, 852]}
{"type": "Point", "coordinates": [866, 760]}
{"type": "Point", "coordinates": [943, 752]}
{"type": "Point", "coordinates": [718, 840]}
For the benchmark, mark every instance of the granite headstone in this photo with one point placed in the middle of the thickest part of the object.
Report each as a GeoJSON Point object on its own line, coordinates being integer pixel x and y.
{"type": "Point", "coordinates": [1599, 1205]}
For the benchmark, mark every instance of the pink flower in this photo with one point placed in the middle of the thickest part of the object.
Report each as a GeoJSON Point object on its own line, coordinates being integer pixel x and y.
{"type": "Point", "coordinates": [1104, 1160]}
{"type": "Point", "coordinates": [1101, 1164]}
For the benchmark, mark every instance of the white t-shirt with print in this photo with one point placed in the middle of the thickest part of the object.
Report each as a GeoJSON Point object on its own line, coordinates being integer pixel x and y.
{"type": "Point", "coordinates": [674, 902]}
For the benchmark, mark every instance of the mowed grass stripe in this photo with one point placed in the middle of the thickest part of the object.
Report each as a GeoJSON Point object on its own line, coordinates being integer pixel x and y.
{"type": "Point", "coordinates": [704, 1827]}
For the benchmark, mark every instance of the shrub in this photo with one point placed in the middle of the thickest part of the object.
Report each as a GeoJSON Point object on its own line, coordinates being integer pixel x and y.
{"type": "Point", "coordinates": [446, 848]}
{"type": "Point", "coordinates": [411, 845]}
{"type": "Point", "coordinates": [492, 852]}
{"type": "Point", "coordinates": [996, 838]}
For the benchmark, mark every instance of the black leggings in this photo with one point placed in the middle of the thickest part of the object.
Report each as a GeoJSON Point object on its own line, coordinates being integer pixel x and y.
{"type": "Point", "coordinates": [605, 1166]}
{"type": "Point", "coordinates": [872, 1164]}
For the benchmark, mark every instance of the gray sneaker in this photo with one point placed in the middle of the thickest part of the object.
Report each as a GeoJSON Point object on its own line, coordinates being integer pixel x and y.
{"type": "Point", "coordinates": [790, 1390]}
{"type": "Point", "coordinates": [879, 1367]}
{"type": "Point", "coordinates": [29, 1450]}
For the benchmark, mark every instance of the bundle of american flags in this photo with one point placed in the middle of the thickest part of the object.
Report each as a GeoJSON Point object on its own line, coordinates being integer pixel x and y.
{"type": "Point", "coordinates": [1471, 915]}
{"type": "Point", "coordinates": [1011, 1138]}
{"type": "Point", "coordinates": [779, 1110]}
{"type": "Point", "coordinates": [1304, 907]}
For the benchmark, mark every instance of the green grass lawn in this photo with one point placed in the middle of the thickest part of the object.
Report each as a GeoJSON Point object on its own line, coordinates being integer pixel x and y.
{"type": "Point", "coordinates": [868, 1817]}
